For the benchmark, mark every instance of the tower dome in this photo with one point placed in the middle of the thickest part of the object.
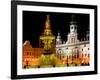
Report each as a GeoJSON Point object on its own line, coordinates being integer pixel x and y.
{"type": "Point", "coordinates": [47, 28]}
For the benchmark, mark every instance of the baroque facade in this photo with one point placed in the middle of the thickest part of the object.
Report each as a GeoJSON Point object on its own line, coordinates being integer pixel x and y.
{"type": "Point", "coordinates": [73, 49]}
{"type": "Point", "coordinates": [30, 55]}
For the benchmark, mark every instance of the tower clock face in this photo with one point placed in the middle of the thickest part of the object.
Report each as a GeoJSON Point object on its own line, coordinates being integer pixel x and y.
{"type": "Point", "coordinates": [73, 28]}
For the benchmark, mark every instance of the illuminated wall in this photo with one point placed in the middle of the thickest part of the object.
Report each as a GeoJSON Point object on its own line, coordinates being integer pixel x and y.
{"type": "Point", "coordinates": [78, 54]}
{"type": "Point", "coordinates": [30, 55]}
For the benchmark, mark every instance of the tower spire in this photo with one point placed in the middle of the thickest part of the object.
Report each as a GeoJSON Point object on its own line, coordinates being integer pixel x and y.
{"type": "Point", "coordinates": [72, 36]}
{"type": "Point", "coordinates": [47, 29]}
{"type": "Point", "coordinates": [73, 19]}
{"type": "Point", "coordinates": [47, 23]}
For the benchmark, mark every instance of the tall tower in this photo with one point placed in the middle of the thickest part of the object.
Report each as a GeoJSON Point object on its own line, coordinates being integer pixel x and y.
{"type": "Point", "coordinates": [58, 40]}
{"type": "Point", "coordinates": [72, 36]}
{"type": "Point", "coordinates": [47, 39]}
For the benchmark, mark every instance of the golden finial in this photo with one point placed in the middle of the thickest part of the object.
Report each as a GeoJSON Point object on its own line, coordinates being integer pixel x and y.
{"type": "Point", "coordinates": [47, 24]}
{"type": "Point", "coordinates": [47, 29]}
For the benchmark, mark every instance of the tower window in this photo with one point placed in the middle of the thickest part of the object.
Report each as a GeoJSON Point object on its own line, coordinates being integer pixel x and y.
{"type": "Point", "coordinates": [75, 27]}
{"type": "Point", "coordinates": [71, 27]}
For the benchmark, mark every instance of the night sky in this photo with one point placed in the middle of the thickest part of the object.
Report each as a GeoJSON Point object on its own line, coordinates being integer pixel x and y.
{"type": "Point", "coordinates": [34, 22]}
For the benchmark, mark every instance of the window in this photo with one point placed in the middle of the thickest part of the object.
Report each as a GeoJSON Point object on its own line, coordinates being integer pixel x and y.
{"type": "Point", "coordinates": [59, 51]}
{"type": "Point", "coordinates": [75, 27]}
{"type": "Point", "coordinates": [72, 40]}
{"type": "Point", "coordinates": [66, 48]}
{"type": "Point", "coordinates": [88, 55]}
{"type": "Point", "coordinates": [84, 45]}
{"type": "Point", "coordinates": [27, 53]}
{"type": "Point", "coordinates": [72, 27]}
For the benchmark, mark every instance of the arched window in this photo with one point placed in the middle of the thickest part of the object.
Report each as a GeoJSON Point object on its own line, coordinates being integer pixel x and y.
{"type": "Point", "coordinates": [82, 49]}
{"type": "Point", "coordinates": [72, 27]}
{"type": "Point", "coordinates": [72, 40]}
{"type": "Point", "coordinates": [59, 51]}
{"type": "Point", "coordinates": [75, 27]}
{"type": "Point", "coordinates": [27, 53]}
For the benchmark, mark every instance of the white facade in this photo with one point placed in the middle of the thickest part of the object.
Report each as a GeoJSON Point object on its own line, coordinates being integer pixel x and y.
{"type": "Point", "coordinates": [72, 46]}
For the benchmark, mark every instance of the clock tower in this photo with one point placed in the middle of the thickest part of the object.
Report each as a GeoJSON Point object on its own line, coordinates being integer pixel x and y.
{"type": "Point", "coordinates": [72, 36]}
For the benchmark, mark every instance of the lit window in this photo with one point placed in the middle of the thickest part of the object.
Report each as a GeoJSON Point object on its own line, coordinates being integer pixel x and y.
{"type": "Point", "coordinates": [27, 53]}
